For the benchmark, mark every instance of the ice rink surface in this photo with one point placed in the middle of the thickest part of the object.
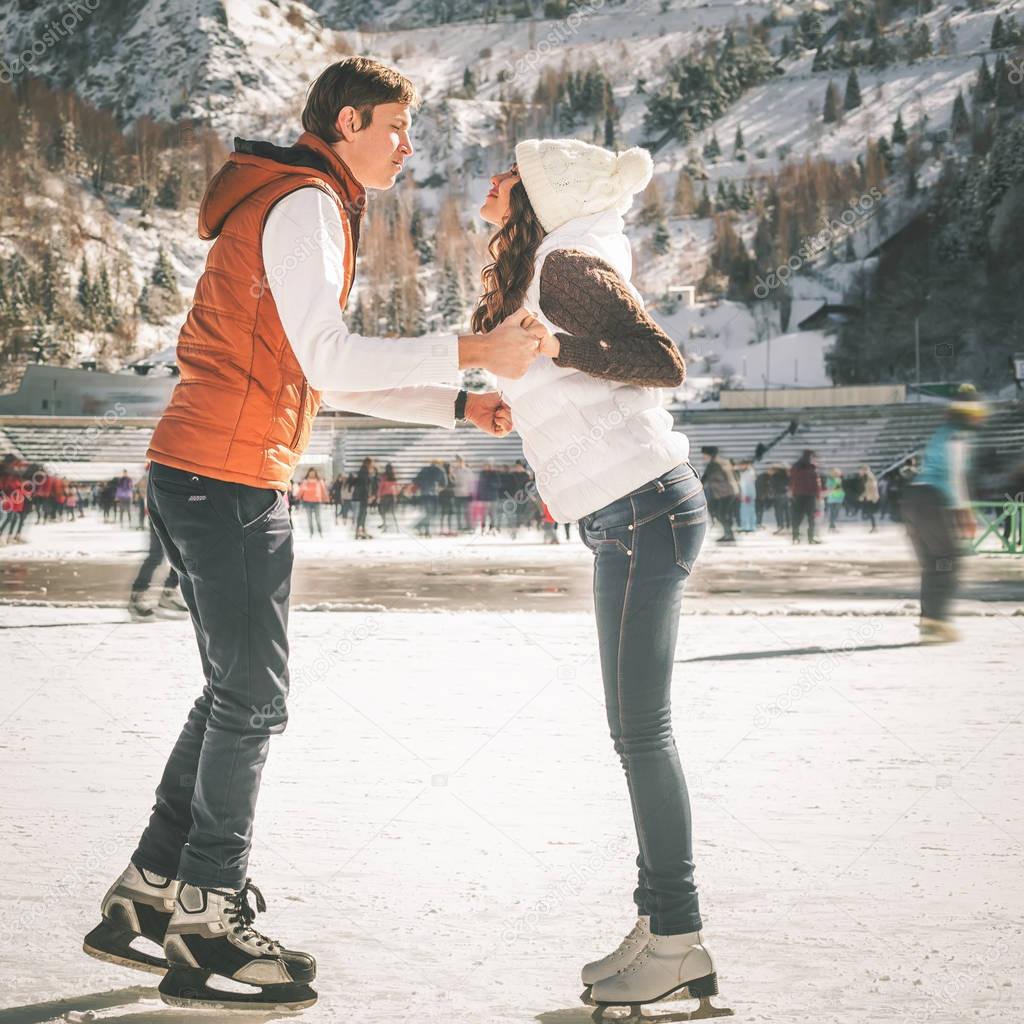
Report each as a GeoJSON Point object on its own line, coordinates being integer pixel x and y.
{"type": "Point", "coordinates": [445, 826]}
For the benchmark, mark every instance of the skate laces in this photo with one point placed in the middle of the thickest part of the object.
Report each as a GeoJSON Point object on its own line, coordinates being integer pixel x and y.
{"type": "Point", "coordinates": [242, 915]}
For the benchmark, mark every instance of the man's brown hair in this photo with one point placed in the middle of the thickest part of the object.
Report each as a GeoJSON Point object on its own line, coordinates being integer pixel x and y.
{"type": "Point", "coordinates": [354, 82]}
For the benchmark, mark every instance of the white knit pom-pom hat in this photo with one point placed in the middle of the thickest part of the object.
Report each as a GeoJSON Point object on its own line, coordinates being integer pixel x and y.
{"type": "Point", "coordinates": [565, 178]}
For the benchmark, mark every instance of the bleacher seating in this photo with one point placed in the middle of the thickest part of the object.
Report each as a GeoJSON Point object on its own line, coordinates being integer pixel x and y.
{"type": "Point", "coordinates": [843, 437]}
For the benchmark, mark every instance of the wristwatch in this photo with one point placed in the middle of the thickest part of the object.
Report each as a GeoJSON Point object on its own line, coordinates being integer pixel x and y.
{"type": "Point", "coordinates": [460, 405]}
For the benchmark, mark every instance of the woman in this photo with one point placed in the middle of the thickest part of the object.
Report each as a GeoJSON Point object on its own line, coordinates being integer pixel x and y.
{"type": "Point", "coordinates": [387, 497]}
{"type": "Point", "coordinates": [363, 490]}
{"type": "Point", "coordinates": [869, 496]}
{"type": "Point", "coordinates": [748, 497]}
{"type": "Point", "coordinates": [602, 447]}
{"type": "Point", "coordinates": [312, 494]}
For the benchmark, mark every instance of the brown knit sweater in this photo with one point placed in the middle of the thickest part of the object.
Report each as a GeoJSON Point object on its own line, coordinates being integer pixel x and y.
{"type": "Point", "coordinates": [607, 332]}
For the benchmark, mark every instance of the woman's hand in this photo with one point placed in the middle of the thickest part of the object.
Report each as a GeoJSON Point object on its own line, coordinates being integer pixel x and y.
{"type": "Point", "coordinates": [488, 412]}
{"type": "Point", "coordinates": [508, 349]}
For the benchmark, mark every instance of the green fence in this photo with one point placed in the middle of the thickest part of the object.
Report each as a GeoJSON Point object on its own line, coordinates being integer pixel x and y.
{"type": "Point", "coordinates": [1000, 527]}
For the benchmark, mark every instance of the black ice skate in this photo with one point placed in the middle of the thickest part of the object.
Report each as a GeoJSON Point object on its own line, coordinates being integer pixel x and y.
{"type": "Point", "coordinates": [211, 933]}
{"type": "Point", "coordinates": [137, 906]}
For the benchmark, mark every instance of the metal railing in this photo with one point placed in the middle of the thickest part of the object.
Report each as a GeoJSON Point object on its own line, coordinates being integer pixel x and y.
{"type": "Point", "coordinates": [1001, 527]}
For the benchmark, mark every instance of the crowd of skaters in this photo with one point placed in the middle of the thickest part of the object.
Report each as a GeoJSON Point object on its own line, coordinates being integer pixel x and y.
{"type": "Point", "coordinates": [804, 494]}
{"type": "Point", "coordinates": [442, 498]}
{"type": "Point", "coordinates": [31, 494]}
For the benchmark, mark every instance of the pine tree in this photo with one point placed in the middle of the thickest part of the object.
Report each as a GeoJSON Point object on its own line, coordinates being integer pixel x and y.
{"type": "Point", "coordinates": [418, 234]}
{"type": "Point", "coordinates": [86, 293]}
{"type": "Point", "coordinates": [712, 150]}
{"type": "Point", "coordinates": [737, 145]}
{"type": "Point", "coordinates": [451, 302]}
{"type": "Point", "coordinates": [764, 246]}
{"type": "Point", "coordinates": [169, 196]}
{"type": "Point", "coordinates": [17, 287]}
{"type": "Point", "coordinates": [830, 113]}
{"type": "Point", "coordinates": [468, 83]}
{"type": "Point", "coordinates": [899, 133]}
{"type": "Point", "coordinates": [163, 275]}
{"type": "Point", "coordinates": [104, 301]}
{"type": "Point", "coordinates": [40, 343]}
{"type": "Point", "coordinates": [49, 285]}
{"type": "Point", "coordinates": [609, 130]}
{"type": "Point", "coordinates": [661, 240]}
{"type": "Point", "coordinates": [885, 151]}
{"type": "Point", "coordinates": [1005, 89]}
{"type": "Point", "coordinates": [960, 123]}
{"type": "Point", "coordinates": [998, 38]}
{"type": "Point", "coordinates": [852, 98]}
{"type": "Point", "coordinates": [705, 207]}
{"type": "Point", "coordinates": [984, 87]}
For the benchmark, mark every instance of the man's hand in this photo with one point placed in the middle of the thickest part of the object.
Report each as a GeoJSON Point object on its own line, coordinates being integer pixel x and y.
{"type": "Point", "coordinates": [489, 413]}
{"type": "Point", "coordinates": [506, 351]}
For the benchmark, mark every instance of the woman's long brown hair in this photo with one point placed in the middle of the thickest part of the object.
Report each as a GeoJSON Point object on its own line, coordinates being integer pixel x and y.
{"type": "Point", "coordinates": [513, 248]}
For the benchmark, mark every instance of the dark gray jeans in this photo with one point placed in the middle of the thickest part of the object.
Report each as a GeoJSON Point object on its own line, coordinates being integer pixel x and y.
{"type": "Point", "coordinates": [645, 545]}
{"type": "Point", "coordinates": [232, 548]}
{"type": "Point", "coordinates": [930, 527]}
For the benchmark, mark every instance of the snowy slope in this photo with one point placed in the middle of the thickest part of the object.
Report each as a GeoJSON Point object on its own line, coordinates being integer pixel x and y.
{"type": "Point", "coordinates": [231, 62]}
{"type": "Point", "coordinates": [243, 65]}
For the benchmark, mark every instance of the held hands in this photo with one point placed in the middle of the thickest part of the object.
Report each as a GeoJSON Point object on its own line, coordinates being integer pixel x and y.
{"type": "Point", "coordinates": [489, 413]}
{"type": "Point", "coordinates": [508, 349]}
{"type": "Point", "coordinates": [549, 345]}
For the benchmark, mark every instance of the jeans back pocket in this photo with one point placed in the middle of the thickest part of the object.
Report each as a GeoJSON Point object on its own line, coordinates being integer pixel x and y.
{"type": "Point", "coordinates": [689, 527]}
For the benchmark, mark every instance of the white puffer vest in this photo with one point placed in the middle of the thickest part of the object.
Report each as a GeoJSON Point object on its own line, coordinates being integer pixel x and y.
{"type": "Point", "coordinates": [589, 441]}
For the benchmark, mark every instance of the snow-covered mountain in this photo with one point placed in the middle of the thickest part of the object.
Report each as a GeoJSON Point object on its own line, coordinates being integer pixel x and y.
{"type": "Point", "coordinates": [242, 66]}
{"type": "Point", "coordinates": [231, 62]}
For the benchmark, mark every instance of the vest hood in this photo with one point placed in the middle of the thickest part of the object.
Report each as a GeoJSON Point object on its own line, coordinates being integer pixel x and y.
{"type": "Point", "coordinates": [255, 164]}
{"type": "Point", "coordinates": [602, 232]}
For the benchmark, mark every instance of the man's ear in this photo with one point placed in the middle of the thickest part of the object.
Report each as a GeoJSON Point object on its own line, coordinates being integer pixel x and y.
{"type": "Point", "coordinates": [347, 123]}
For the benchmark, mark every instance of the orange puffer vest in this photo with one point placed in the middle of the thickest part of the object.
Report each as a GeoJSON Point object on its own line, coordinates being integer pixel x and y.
{"type": "Point", "coordinates": [243, 409]}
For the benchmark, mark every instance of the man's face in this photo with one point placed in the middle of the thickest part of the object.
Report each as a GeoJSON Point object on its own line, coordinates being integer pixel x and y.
{"type": "Point", "coordinates": [376, 153]}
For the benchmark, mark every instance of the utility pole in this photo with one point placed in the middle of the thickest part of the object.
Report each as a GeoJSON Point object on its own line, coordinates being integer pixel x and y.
{"type": "Point", "coordinates": [917, 354]}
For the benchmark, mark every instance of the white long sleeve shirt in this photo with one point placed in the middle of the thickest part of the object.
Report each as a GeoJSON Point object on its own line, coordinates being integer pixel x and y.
{"type": "Point", "coordinates": [391, 378]}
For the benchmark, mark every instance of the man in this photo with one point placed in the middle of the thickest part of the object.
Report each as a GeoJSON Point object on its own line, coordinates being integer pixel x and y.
{"type": "Point", "coordinates": [264, 341]}
{"type": "Point", "coordinates": [805, 486]}
{"type": "Point", "coordinates": [937, 510]}
{"type": "Point", "coordinates": [722, 489]}
{"type": "Point", "coordinates": [429, 481]}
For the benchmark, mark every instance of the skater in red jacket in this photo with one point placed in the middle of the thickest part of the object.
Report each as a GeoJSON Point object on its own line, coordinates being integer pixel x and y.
{"type": "Point", "coordinates": [805, 486]}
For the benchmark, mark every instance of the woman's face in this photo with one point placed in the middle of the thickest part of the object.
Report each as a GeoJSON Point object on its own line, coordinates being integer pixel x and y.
{"type": "Point", "coordinates": [496, 205]}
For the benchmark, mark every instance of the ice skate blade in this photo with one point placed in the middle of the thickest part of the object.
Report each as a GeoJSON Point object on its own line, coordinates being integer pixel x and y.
{"type": "Point", "coordinates": [112, 944]}
{"type": "Point", "coordinates": [636, 1012]}
{"type": "Point", "coordinates": [186, 987]}
{"type": "Point", "coordinates": [701, 989]}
